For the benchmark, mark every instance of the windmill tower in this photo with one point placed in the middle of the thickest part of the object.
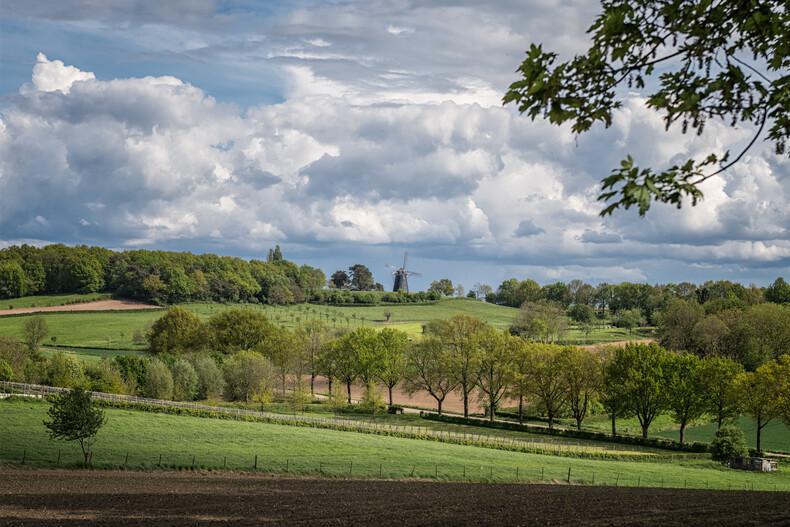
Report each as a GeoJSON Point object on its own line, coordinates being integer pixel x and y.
{"type": "Point", "coordinates": [401, 274]}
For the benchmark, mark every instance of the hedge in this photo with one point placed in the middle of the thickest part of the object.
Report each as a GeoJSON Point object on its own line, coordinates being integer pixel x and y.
{"type": "Point", "coordinates": [666, 444]}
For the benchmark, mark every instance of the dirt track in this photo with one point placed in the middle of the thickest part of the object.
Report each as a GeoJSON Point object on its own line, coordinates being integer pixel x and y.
{"type": "Point", "coordinates": [99, 305]}
{"type": "Point", "coordinates": [70, 498]}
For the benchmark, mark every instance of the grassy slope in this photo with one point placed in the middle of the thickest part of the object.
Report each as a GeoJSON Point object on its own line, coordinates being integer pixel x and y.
{"type": "Point", "coordinates": [145, 436]}
{"type": "Point", "coordinates": [49, 300]}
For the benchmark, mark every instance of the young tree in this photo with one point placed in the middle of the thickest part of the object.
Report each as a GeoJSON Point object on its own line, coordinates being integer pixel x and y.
{"type": "Point", "coordinates": [65, 372]}
{"type": "Point", "coordinates": [645, 381]}
{"type": "Point", "coordinates": [6, 373]}
{"type": "Point", "coordinates": [581, 376]}
{"type": "Point", "coordinates": [14, 353]}
{"type": "Point", "coordinates": [428, 368]}
{"type": "Point", "coordinates": [628, 319]}
{"type": "Point", "coordinates": [545, 375]}
{"type": "Point", "coordinates": [542, 321]}
{"type": "Point", "coordinates": [581, 313]}
{"type": "Point", "coordinates": [283, 348]}
{"type": "Point", "coordinates": [345, 363]}
{"type": "Point", "coordinates": [687, 389]}
{"type": "Point", "coordinates": [459, 336]}
{"type": "Point", "coordinates": [393, 358]}
{"type": "Point", "coordinates": [74, 417]}
{"type": "Point", "coordinates": [366, 349]}
{"type": "Point", "coordinates": [719, 374]}
{"type": "Point", "coordinates": [177, 331]}
{"type": "Point", "coordinates": [315, 336]}
{"type": "Point", "coordinates": [728, 444]}
{"type": "Point", "coordinates": [496, 370]}
{"type": "Point", "coordinates": [758, 394]}
{"type": "Point", "coordinates": [521, 364]}
{"type": "Point", "coordinates": [34, 331]}
{"type": "Point", "coordinates": [708, 57]}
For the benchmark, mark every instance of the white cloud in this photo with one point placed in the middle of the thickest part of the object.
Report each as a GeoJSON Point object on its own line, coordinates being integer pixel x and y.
{"type": "Point", "coordinates": [53, 75]}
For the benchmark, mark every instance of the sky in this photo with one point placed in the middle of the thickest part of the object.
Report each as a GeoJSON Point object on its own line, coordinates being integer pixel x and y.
{"type": "Point", "coordinates": [351, 131]}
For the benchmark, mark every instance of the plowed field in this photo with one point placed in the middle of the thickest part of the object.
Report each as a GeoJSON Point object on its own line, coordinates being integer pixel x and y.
{"type": "Point", "coordinates": [109, 498]}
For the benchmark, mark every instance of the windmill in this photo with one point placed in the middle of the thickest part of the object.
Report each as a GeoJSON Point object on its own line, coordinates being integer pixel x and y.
{"type": "Point", "coordinates": [401, 275]}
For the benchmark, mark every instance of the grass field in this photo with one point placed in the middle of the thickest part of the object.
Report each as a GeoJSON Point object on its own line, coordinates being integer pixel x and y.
{"type": "Point", "coordinates": [115, 330]}
{"type": "Point", "coordinates": [49, 300]}
{"type": "Point", "coordinates": [144, 437]}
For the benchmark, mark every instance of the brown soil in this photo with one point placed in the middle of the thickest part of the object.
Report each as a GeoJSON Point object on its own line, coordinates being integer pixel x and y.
{"type": "Point", "coordinates": [99, 305]}
{"type": "Point", "coordinates": [75, 497]}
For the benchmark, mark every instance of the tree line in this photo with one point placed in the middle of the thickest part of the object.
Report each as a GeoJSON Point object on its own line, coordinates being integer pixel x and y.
{"type": "Point", "coordinates": [240, 355]}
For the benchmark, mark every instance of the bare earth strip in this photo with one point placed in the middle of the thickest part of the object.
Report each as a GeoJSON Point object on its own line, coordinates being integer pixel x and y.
{"type": "Point", "coordinates": [99, 305]}
{"type": "Point", "coordinates": [113, 498]}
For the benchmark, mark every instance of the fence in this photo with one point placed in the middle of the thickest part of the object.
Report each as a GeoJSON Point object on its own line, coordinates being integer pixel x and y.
{"type": "Point", "coordinates": [536, 446]}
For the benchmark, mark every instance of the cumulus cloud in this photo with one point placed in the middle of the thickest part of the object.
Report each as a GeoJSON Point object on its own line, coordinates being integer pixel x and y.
{"type": "Point", "coordinates": [388, 132]}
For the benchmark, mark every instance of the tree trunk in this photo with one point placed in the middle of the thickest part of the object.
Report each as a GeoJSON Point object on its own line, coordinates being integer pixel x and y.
{"type": "Point", "coordinates": [312, 384]}
{"type": "Point", "coordinates": [614, 424]}
{"type": "Point", "coordinates": [491, 411]}
{"type": "Point", "coordinates": [439, 405]}
{"type": "Point", "coordinates": [578, 423]}
{"type": "Point", "coordinates": [466, 404]}
{"type": "Point", "coordinates": [348, 388]}
{"type": "Point", "coordinates": [759, 432]}
{"type": "Point", "coordinates": [551, 421]}
{"type": "Point", "coordinates": [389, 389]}
{"type": "Point", "coordinates": [329, 381]}
{"type": "Point", "coordinates": [520, 408]}
{"type": "Point", "coordinates": [682, 432]}
{"type": "Point", "coordinates": [644, 430]}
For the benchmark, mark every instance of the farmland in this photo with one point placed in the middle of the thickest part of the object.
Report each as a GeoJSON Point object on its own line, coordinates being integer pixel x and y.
{"type": "Point", "coordinates": [209, 443]}
{"type": "Point", "coordinates": [116, 330]}
{"type": "Point", "coordinates": [113, 498]}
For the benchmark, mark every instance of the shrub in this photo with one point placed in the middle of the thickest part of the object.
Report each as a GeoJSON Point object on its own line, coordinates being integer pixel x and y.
{"type": "Point", "coordinates": [185, 381]}
{"type": "Point", "coordinates": [158, 381]}
{"type": "Point", "coordinates": [6, 373]}
{"type": "Point", "coordinates": [728, 444]}
{"type": "Point", "coordinates": [210, 381]}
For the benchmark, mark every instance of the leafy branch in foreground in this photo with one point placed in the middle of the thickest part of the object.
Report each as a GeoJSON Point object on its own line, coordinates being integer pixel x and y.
{"type": "Point", "coordinates": [725, 60]}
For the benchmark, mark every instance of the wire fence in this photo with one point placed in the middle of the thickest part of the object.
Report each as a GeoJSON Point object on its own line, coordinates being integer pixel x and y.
{"type": "Point", "coordinates": [485, 440]}
{"type": "Point", "coordinates": [310, 466]}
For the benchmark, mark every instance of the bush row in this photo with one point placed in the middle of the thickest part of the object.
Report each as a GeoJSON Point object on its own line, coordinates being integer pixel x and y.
{"type": "Point", "coordinates": [667, 444]}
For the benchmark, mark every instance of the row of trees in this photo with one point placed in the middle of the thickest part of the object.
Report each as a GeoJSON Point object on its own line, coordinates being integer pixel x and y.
{"type": "Point", "coordinates": [155, 276]}
{"type": "Point", "coordinates": [648, 299]}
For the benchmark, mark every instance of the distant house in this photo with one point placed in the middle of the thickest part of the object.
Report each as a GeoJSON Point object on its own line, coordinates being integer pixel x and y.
{"type": "Point", "coordinates": [758, 464]}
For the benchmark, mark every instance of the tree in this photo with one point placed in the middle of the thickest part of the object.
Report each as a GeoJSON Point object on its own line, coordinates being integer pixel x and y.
{"type": "Point", "coordinates": [247, 373]}
{"type": "Point", "coordinates": [459, 290]}
{"type": "Point", "coordinates": [239, 329]}
{"type": "Point", "coordinates": [482, 291]}
{"type": "Point", "coordinates": [177, 331]}
{"type": "Point", "coordinates": [677, 321]}
{"type": "Point", "coordinates": [393, 358]}
{"type": "Point", "coordinates": [543, 321]}
{"type": "Point", "coordinates": [778, 292]}
{"type": "Point", "coordinates": [581, 376]}
{"type": "Point", "coordinates": [581, 313]}
{"type": "Point", "coordinates": [546, 379]}
{"type": "Point", "coordinates": [428, 368]}
{"type": "Point", "coordinates": [758, 394]}
{"type": "Point", "coordinates": [728, 444]}
{"type": "Point", "coordinates": [13, 282]}
{"type": "Point", "coordinates": [709, 336]}
{"type": "Point", "coordinates": [74, 417]}
{"type": "Point", "coordinates": [783, 374]}
{"type": "Point", "coordinates": [628, 319]}
{"type": "Point", "coordinates": [645, 381]}
{"type": "Point", "coordinates": [286, 351]}
{"type": "Point", "coordinates": [315, 337]}
{"type": "Point", "coordinates": [339, 279]}
{"type": "Point", "coordinates": [14, 353]}
{"type": "Point", "coordinates": [185, 380]}
{"type": "Point", "coordinates": [443, 286]}
{"type": "Point", "coordinates": [361, 278]}
{"type": "Point", "coordinates": [521, 364]}
{"type": "Point", "coordinates": [496, 370]}
{"type": "Point", "coordinates": [719, 373]}
{"type": "Point", "coordinates": [210, 382]}
{"type": "Point", "coordinates": [158, 381]}
{"type": "Point", "coordinates": [715, 60]}
{"type": "Point", "coordinates": [34, 331]}
{"type": "Point", "coordinates": [6, 373]}
{"type": "Point", "coordinates": [342, 359]}
{"type": "Point", "coordinates": [459, 336]}
{"type": "Point", "coordinates": [687, 389]}
{"type": "Point", "coordinates": [65, 372]}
